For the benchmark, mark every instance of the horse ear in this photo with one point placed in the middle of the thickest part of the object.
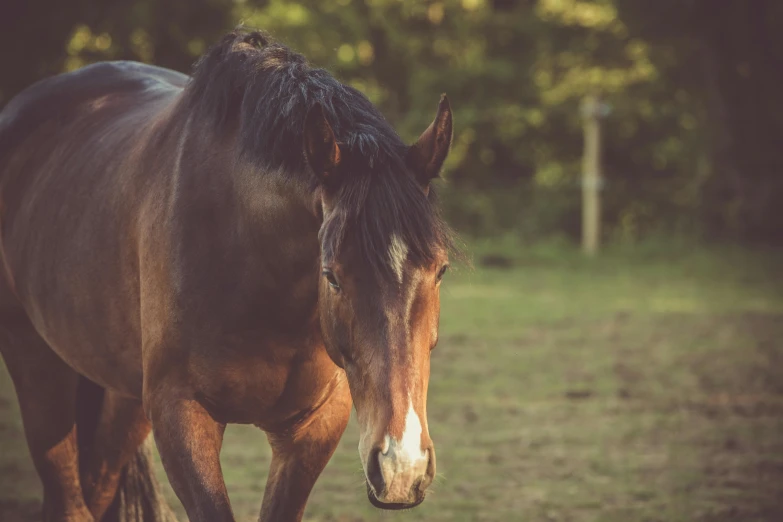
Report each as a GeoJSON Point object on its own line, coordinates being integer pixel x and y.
{"type": "Point", "coordinates": [321, 149]}
{"type": "Point", "coordinates": [427, 155]}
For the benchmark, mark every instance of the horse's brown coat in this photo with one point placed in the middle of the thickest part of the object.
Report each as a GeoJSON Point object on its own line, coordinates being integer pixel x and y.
{"type": "Point", "coordinates": [145, 248]}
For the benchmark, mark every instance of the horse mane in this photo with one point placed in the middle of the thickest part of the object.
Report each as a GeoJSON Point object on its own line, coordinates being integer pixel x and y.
{"type": "Point", "coordinates": [249, 84]}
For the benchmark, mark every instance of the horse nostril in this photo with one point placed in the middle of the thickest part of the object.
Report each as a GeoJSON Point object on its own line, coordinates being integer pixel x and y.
{"type": "Point", "coordinates": [374, 475]}
{"type": "Point", "coordinates": [430, 473]}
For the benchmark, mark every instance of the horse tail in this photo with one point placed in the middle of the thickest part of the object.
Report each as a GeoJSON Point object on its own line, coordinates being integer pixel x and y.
{"type": "Point", "coordinates": [138, 497]}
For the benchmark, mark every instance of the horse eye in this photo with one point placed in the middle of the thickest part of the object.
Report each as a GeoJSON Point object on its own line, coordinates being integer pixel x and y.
{"type": "Point", "coordinates": [442, 272]}
{"type": "Point", "coordinates": [329, 275]}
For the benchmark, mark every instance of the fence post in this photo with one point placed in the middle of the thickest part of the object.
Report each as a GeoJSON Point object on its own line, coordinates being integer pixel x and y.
{"type": "Point", "coordinates": [591, 174]}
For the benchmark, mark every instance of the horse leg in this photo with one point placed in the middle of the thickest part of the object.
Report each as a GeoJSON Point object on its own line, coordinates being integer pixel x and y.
{"type": "Point", "coordinates": [299, 455]}
{"type": "Point", "coordinates": [122, 427]}
{"type": "Point", "coordinates": [189, 442]}
{"type": "Point", "coordinates": [46, 390]}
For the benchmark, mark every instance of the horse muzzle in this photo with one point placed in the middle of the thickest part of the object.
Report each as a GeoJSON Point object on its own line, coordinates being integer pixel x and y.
{"type": "Point", "coordinates": [398, 478]}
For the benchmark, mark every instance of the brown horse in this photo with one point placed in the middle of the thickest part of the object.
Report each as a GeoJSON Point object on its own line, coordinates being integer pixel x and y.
{"type": "Point", "coordinates": [254, 244]}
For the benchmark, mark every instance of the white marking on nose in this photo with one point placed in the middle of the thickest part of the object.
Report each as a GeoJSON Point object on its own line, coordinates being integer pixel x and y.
{"type": "Point", "coordinates": [398, 253]}
{"type": "Point", "coordinates": [403, 461]}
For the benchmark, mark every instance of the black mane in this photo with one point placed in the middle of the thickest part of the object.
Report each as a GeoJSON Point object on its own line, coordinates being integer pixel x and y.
{"type": "Point", "coordinates": [263, 90]}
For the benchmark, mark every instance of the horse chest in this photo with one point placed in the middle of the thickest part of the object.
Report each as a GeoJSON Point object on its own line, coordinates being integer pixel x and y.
{"type": "Point", "coordinates": [278, 383]}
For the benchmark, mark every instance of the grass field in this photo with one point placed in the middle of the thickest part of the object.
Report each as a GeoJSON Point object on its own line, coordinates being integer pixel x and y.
{"type": "Point", "coordinates": [646, 385]}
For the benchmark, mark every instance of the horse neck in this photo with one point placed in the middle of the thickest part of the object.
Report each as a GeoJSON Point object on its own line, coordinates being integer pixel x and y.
{"type": "Point", "coordinates": [235, 215]}
{"type": "Point", "coordinates": [210, 164]}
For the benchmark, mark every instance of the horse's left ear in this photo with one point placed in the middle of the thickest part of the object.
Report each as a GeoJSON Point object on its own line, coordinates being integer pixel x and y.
{"type": "Point", "coordinates": [321, 149]}
{"type": "Point", "coordinates": [427, 155]}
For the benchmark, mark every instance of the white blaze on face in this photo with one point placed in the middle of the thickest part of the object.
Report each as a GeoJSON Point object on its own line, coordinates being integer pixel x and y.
{"type": "Point", "coordinates": [403, 461]}
{"type": "Point", "coordinates": [398, 253]}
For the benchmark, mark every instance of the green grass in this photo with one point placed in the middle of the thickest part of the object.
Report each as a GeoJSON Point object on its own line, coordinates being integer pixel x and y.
{"type": "Point", "coordinates": [645, 385]}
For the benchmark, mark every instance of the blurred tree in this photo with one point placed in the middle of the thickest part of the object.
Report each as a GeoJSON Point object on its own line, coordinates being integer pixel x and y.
{"type": "Point", "coordinates": [730, 56]}
{"type": "Point", "coordinates": [39, 38]}
{"type": "Point", "coordinates": [33, 34]}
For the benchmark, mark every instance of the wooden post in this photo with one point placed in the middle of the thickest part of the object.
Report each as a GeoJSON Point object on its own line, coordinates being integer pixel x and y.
{"type": "Point", "coordinates": [591, 175]}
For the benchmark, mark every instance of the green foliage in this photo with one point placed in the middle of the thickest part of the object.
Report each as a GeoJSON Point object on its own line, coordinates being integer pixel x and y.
{"type": "Point", "coordinates": [689, 147]}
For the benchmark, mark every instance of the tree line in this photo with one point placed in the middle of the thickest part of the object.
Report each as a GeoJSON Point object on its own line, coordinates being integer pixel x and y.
{"type": "Point", "coordinates": [692, 142]}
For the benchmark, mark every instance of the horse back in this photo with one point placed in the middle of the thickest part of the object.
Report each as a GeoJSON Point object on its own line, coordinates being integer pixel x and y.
{"type": "Point", "coordinates": [66, 97]}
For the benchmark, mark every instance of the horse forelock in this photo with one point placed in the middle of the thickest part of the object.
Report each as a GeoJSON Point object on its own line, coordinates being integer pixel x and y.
{"type": "Point", "coordinates": [389, 220]}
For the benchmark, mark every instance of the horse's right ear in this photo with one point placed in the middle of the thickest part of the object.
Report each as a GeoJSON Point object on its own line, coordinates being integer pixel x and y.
{"type": "Point", "coordinates": [427, 155]}
{"type": "Point", "coordinates": [320, 146]}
